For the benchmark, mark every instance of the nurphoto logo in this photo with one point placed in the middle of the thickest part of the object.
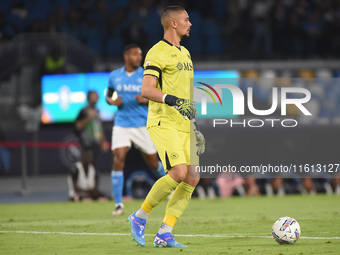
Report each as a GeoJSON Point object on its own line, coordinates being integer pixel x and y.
{"type": "Point", "coordinates": [281, 99]}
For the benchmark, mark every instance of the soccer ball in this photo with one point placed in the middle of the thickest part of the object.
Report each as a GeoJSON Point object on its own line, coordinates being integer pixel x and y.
{"type": "Point", "coordinates": [286, 230]}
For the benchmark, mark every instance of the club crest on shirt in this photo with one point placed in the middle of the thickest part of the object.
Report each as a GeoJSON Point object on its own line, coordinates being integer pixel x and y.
{"type": "Point", "coordinates": [148, 63]}
{"type": "Point", "coordinates": [179, 66]}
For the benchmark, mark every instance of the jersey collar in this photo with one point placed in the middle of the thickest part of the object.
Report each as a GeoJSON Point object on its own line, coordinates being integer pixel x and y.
{"type": "Point", "coordinates": [124, 70]}
{"type": "Point", "coordinates": [166, 41]}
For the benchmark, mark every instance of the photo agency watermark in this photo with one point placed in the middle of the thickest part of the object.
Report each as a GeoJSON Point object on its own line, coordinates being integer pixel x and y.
{"type": "Point", "coordinates": [239, 102]}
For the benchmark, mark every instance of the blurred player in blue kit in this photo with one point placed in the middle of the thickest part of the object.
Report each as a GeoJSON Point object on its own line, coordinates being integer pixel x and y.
{"type": "Point", "coordinates": [130, 121]}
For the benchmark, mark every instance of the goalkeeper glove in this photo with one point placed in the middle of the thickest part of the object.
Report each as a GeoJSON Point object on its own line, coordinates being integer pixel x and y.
{"type": "Point", "coordinates": [184, 106]}
{"type": "Point", "coordinates": [200, 139]}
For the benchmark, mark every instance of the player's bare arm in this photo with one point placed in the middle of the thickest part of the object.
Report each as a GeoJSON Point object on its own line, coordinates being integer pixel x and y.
{"type": "Point", "coordinates": [149, 89]}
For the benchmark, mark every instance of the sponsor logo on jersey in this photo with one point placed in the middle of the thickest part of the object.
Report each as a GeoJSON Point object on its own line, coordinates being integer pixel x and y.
{"type": "Point", "coordinates": [184, 66]}
{"type": "Point", "coordinates": [188, 66]}
{"type": "Point", "coordinates": [129, 87]}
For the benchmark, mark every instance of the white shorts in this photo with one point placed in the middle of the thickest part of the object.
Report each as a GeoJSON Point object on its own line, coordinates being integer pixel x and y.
{"type": "Point", "coordinates": [123, 137]}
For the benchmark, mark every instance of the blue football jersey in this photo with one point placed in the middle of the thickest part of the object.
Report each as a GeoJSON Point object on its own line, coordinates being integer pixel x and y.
{"type": "Point", "coordinates": [130, 113]}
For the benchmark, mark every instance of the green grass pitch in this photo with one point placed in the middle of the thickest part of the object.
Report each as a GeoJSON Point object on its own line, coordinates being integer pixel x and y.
{"type": "Point", "coordinates": [221, 226]}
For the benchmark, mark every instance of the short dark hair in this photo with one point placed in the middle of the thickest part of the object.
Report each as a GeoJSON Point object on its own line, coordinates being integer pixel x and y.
{"type": "Point", "coordinates": [168, 11]}
{"type": "Point", "coordinates": [129, 47]}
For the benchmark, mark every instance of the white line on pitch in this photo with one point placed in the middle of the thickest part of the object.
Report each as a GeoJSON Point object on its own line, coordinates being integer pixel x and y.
{"type": "Point", "coordinates": [128, 234]}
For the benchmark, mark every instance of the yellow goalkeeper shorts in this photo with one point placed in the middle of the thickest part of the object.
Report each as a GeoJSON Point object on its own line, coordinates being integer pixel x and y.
{"type": "Point", "coordinates": [173, 146]}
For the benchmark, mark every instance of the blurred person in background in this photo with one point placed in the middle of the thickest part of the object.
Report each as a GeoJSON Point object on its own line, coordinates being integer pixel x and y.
{"type": "Point", "coordinates": [228, 183]}
{"type": "Point", "coordinates": [89, 127]}
{"type": "Point", "coordinates": [308, 186]}
{"type": "Point", "coordinates": [83, 180]}
{"type": "Point", "coordinates": [130, 121]}
{"type": "Point", "coordinates": [251, 187]}
{"type": "Point", "coordinates": [206, 189]}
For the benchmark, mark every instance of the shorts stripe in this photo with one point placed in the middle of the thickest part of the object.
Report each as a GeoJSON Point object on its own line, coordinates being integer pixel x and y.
{"type": "Point", "coordinates": [168, 165]}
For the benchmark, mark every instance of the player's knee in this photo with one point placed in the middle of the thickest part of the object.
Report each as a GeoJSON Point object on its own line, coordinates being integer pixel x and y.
{"type": "Point", "coordinates": [119, 160]}
{"type": "Point", "coordinates": [178, 173]}
{"type": "Point", "coordinates": [119, 156]}
{"type": "Point", "coordinates": [181, 176]}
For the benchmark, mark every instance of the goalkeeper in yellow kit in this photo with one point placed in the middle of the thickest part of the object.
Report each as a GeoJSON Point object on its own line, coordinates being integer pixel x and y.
{"type": "Point", "coordinates": [167, 84]}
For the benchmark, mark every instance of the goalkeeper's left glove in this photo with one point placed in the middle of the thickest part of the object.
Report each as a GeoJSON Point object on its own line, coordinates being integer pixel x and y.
{"type": "Point", "coordinates": [200, 139]}
{"type": "Point", "coordinates": [184, 106]}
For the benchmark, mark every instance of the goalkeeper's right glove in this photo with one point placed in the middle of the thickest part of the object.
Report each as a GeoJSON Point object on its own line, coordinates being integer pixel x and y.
{"type": "Point", "coordinates": [184, 106]}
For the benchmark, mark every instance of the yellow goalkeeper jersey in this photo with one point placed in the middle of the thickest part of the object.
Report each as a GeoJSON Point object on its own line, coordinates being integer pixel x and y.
{"type": "Point", "coordinates": [174, 69]}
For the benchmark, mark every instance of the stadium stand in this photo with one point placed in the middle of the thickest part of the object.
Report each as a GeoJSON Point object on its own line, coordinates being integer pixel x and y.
{"type": "Point", "coordinates": [232, 29]}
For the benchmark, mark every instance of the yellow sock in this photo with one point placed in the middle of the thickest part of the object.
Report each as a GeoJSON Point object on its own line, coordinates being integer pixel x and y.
{"type": "Point", "coordinates": [159, 191]}
{"type": "Point", "coordinates": [177, 203]}
{"type": "Point", "coordinates": [169, 220]}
